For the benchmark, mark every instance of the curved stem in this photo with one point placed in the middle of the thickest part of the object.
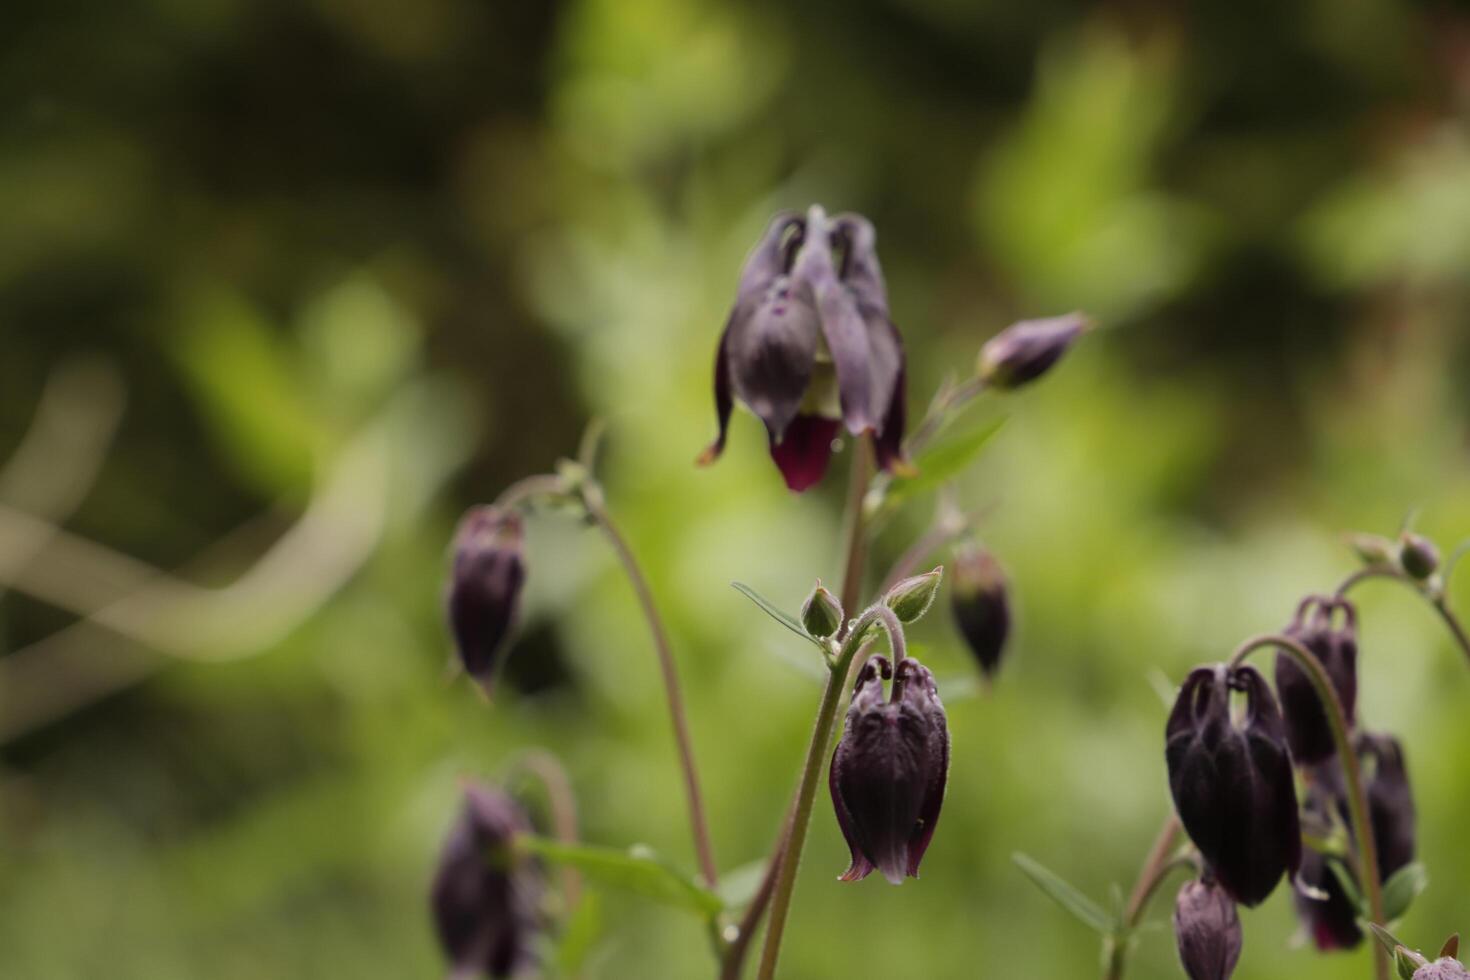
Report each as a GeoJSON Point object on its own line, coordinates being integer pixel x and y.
{"type": "Point", "coordinates": [1156, 867]}
{"type": "Point", "coordinates": [529, 487]}
{"type": "Point", "coordinates": [561, 802]}
{"type": "Point", "coordinates": [1436, 598]}
{"type": "Point", "coordinates": [1352, 776]}
{"type": "Point", "coordinates": [592, 498]}
{"type": "Point", "coordinates": [811, 773]}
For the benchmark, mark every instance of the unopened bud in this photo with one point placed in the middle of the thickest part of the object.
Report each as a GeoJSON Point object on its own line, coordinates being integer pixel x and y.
{"type": "Point", "coordinates": [982, 609]}
{"type": "Point", "coordinates": [1207, 929]}
{"type": "Point", "coordinates": [485, 587]}
{"type": "Point", "coordinates": [1025, 351]}
{"type": "Point", "coordinates": [821, 614]}
{"type": "Point", "coordinates": [911, 598]}
{"type": "Point", "coordinates": [1373, 549]}
{"type": "Point", "coordinates": [1418, 555]}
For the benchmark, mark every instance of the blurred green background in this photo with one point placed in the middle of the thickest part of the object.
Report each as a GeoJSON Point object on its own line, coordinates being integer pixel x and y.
{"type": "Point", "coordinates": [368, 262]}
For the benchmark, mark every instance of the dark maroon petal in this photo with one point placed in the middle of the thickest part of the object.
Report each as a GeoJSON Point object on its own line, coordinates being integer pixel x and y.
{"type": "Point", "coordinates": [802, 455]}
{"type": "Point", "coordinates": [981, 606]}
{"type": "Point", "coordinates": [841, 323]}
{"type": "Point", "coordinates": [860, 269]}
{"type": "Point", "coordinates": [1332, 922]}
{"type": "Point", "coordinates": [916, 684]}
{"type": "Point", "coordinates": [772, 337]}
{"type": "Point", "coordinates": [1390, 803]}
{"type": "Point", "coordinates": [724, 399]}
{"type": "Point", "coordinates": [890, 379]}
{"type": "Point", "coordinates": [859, 867]}
{"type": "Point", "coordinates": [1336, 647]}
{"type": "Point", "coordinates": [867, 692]}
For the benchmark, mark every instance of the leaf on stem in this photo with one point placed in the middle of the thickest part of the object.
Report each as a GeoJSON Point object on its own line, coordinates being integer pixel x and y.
{"type": "Point", "coordinates": [1086, 911]}
{"type": "Point", "coordinates": [1402, 887]}
{"type": "Point", "coordinates": [942, 462]}
{"type": "Point", "coordinates": [638, 870]}
{"type": "Point", "coordinates": [770, 609]}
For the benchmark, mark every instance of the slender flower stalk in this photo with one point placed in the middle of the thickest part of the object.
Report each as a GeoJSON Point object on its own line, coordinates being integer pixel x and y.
{"type": "Point", "coordinates": [1436, 599]}
{"type": "Point", "coordinates": [597, 510]}
{"type": "Point", "coordinates": [1347, 756]}
{"type": "Point", "coordinates": [1156, 868]}
{"type": "Point", "coordinates": [817, 751]}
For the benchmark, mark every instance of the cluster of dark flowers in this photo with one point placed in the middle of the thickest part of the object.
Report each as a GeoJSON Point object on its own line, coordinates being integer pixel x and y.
{"type": "Point", "coordinates": [1251, 785]}
{"type": "Point", "coordinates": [810, 350]}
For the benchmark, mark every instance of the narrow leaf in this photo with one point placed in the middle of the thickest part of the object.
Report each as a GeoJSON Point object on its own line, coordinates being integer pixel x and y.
{"type": "Point", "coordinates": [942, 462]}
{"type": "Point", "coordinates": [770, 609]}
{"type": "Point", "coordinates": [1349, 884]}
{"type": "Point", "coordinates": [637, 870]}
{"type": "Point", "coordinates": [1402, 887]}
{"type": "Point", "coordinates": [1088, 912]}
{"type": "Point", "coordinates": [1387, 939]}
{"type": "Point", "coordinates": [579, 934]}
{"type": "Point", "coordinates": [739, 885]}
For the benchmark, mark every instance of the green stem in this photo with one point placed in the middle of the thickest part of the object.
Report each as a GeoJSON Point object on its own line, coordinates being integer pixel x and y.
{"type": "Point", "coordinates": [1352, 776]}
{"type": "Point", "coordinates": [1435, 597]}
{"type": "Point", "coordinates": [1156, 867]}
{"type": "Point", "coordinates": [592, 498]}
{"type": "Point", "coordinates": [811, 773]}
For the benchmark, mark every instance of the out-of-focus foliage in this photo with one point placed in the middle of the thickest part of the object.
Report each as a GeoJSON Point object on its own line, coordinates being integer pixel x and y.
{"type": "Point", "coordinates": [429, 240]}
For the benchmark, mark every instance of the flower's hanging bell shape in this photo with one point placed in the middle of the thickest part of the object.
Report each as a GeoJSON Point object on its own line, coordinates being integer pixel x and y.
{"type": "Point", "coordinates": [889, 769]}
{"type": "Point", "coordinates": [981, 605]}
{"type": "Point", "coordinates": [809, 346]}
{"type": "Point", "coordinates": [484, 901]}
{"type": "Point", "coordinates": [1232, 784]}
{"type": "Point", "coordinates": [485, 587]}
{"type": "Point", "coordinates": [1207, 929]}
{"type": "Point", "coordinates": [1327, 627]}
{"type": "Point", "coordinates": [1390, 802]}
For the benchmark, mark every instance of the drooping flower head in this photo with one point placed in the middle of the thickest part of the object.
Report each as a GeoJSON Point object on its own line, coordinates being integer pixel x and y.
{"type": "Point", "coordinates": [485, 587]}
{"type": "Point", "coordinates": [889, 769]}
{"type": "Point", "coordinates": [1232, 783]}
{"type": "Point", "coordinates": [809, 345]}
{"type": "Point", "coordinates": [484, 901]}
{"type": "Point", "coordinates": [981, 606]}
{"type": "Point", "coordinates": [1390, 801]}
{"type": "Point", "coordinates": [1326, 626]}
{"type": "Point", "coordinates": [1207, 929]}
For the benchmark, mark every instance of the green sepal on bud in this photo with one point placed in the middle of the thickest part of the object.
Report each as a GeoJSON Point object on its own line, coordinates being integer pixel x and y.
{"type": "Point", "coordinates": [1373, 549]}
{"type": "Point", "coordinates": [821, 614]}
{"type": "Point", "coordinates": [1418, 555]}
{"type": "Point", "coordinates": [911, 598]}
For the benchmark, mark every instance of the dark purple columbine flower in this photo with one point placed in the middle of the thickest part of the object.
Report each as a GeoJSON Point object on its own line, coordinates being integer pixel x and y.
{"type": "Point", "coordinates": [1025, 351]}
{"type": "Point", "coordinates": [1232, 784]}
{"type": "Point", "coordinates": [888, 771]}
{"type": "Point", "coordinates": [485, 587]}
{"type": "Point", "coordinates": [1207, 929]}
{"type": "Point", "coordinates": [484, 900]}
{"type": "Point", "coordinates": [1390, 802]}
{"type": "Point", "coordinates": [809, 345]}
{"type": "Point", "coordinates": [981, 606]}
{"type": "Point", "coordinates": [1326, 626]}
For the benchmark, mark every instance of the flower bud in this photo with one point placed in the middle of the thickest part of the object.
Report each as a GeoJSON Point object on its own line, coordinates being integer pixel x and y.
{"type": "Point", "coordinates": [1207, 929]}
{"type": "Point", "coordinates": [485, 588]}
{"type": "Point", "coordinates": [1336, 646]}
{"type": "Point", "coordinates": [911, 598]}
{"type": "Point", "coordinates": [821, 614]}
{"type": "Point", "coordinates": [1442, 969]}
{"type": "Point", "coordinates": [1418, 555]}
{"type": "Point", "coordinates": [1025, 351]}
{"type": "Point", "coordinates": [889, 769]}
{"type": "Point", "coordinates": [1373, 549]}
{"type": "Point", "coordinates": [981, 606]}
{"type": "Point", "coordinates": [484, 901]}
{"type": "Point", "coordinates": [1232, 783]}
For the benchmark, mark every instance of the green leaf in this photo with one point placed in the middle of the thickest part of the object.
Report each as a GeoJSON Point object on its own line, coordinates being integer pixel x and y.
{"type": "Point", "coordinates": [769, 608]}
{"type": "Point", "coordinates": [638, 870]}
{"type": "Point", "coordinates": [579, 934]}
{"type": "Point", "coordinates": [1088, 912]}
{"type": "Point", "coordinates": [942, 462]}
{"type": "Point", "coordinates": [1385, 938]}
{"type": "Point", "coordinates": [738, 886]}
{"type": "Point", "coordinates": [1402, 887]}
